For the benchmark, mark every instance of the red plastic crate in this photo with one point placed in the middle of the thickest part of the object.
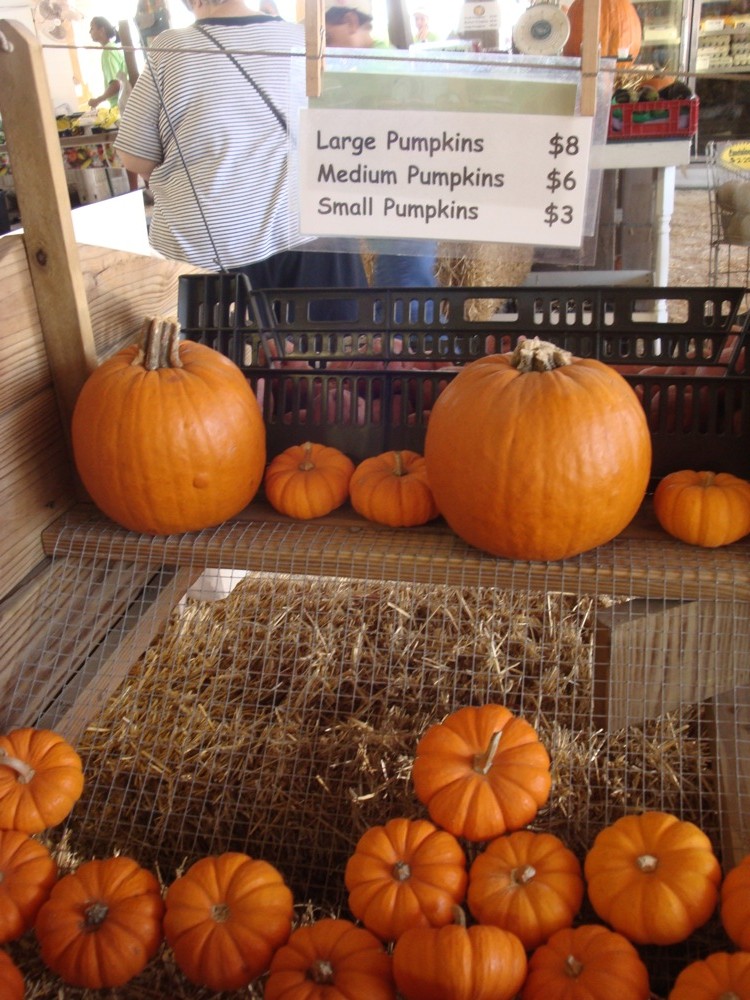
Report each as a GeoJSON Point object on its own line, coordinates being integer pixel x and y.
{"type": "Point", "coordinates": [665, 119]}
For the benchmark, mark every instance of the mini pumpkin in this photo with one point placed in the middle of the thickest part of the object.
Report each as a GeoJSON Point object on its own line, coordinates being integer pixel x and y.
{"type": "Point", "coordinates": [41, 779]}
{"type": "Point", "coordinates": [407, 873]}
{"type": "Point", "coordinates": [522, 449]}
{"type": "Point", "coordinates": [481, 772]}
{"type": "Point", "coordinates": [308, 480]}
{"type": "Point", "coordinates": [589, 962]}
{"type": "Point", "coordinates": [101, 924]}
{"type": "Point", "coordinates": [735, 904]}
{"type": "Point", "coordinates": [393, 489]}
{"type": "Point", "coordinates": [331, 960]}
{"type": "Point", "coordinates": [168, 437]}
{"type": "Point", "coordinates": [463, 963]}
{"type": "Point", "coordinates": [225, 917]}
{"type": "Point", "coordinates": [653, 877]}
{"type": "Point", "coordinates": [703, 508]}
{"type": "Point", "coordinates": [27, 874]}
{"type": "Point", "coordinates": [528, 883]}
{"type": "Point", "coordinates": [12, 986]}
{"type": "Point", "coordinates": [721, 976]}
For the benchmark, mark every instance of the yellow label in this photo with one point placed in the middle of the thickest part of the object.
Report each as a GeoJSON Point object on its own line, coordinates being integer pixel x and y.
{"type": "Point", "coordinates": [736, 156]}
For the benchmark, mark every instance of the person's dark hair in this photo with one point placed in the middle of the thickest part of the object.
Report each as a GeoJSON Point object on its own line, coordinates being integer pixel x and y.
{"type": "Point", "coordinates": [103, 23]}
{"type": "Point", "coordinates": [337, 15]}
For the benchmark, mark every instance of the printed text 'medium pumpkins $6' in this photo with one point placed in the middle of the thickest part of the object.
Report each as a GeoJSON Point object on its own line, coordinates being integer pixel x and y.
{"type": "Point", "coordinates": [538, 454]}
{"type": "Point", "coordinates": [168, 437]}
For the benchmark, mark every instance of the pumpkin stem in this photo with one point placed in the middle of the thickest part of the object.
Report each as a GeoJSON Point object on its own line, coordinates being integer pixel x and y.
{"type": "Point", "coordinates": [220, 913]}
{"type": "Point", "coordinates": [522, 875]}
{"type": "Point", "coordinates": [161, 344]}
{"type": "Point", "coordinates": [401, 871]}
{"type": "Point", "coordinates": [573, 967]}
{"type": "Point", "coordinates": [484, 761]}
{"type": "Point", "coordinates": [729, 995]}
{"type": "Point", "coordinates": [459, 917]}
{"type": "Point", "coordinates": [398, 464]}
{"type": "Point", "coordinates": [647, 863]}
{"type": "Point", "coordinates": [539, 356]}
{"type": "Point", "coordinates": [307, 463]}
{"type": "Point", "coordinates": [321, 972]}
{"type": "Point", "coordinates": [707, 479]}
{"type": "Point", "coordinates": [94, 915]}
{"type": "Point", "coordinates": [24, 770]}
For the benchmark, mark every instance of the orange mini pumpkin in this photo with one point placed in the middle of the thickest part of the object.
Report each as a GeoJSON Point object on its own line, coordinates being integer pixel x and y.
{"type": "Point", "coordinates": [331, 960]}
{"type": "Point", "coordinates": [41, 779]}
{"type": "Point", "coordinates": [405, 874]}
{"type": "Point", "coordinates": [225, 917]}
{"type": "Point", "coordinates": [463, 963]}
{"type": "Point", "coordinates": [393, 489]}
{"type": "Point", "coordinates": [538, 455]}
{"type": "Point", "coordinates": [12, 986]}
{"type": "Point", "coordinates": [720, 976]}
{"type": "Point", "coordinates": [703, 508]}
{"type": "Point", "coordinates": [308, 480]}
{"type": "Point", "coordinates": [481, 772]}
{"type": "Point", "coordinates": [653, 877]}
{"type": "Point", "coordinates": [168, 437]}
{"type": "Point", "coordinates": [27, 874]}
{"type": "Point", "coordinates": [528, 883]}
{"type": "Point", "coordinates": [589, 962]}
{"type": "Point", "coordinates": [101, 924]}
{"type": "Point", "coordinates": [735, 904]}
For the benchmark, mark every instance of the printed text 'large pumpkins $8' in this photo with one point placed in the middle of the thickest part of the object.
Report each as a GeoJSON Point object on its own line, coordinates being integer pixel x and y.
{"type": "Point", "coordinates": [538, 454]}
{"type": "Point", "coordinates": [168, 437]}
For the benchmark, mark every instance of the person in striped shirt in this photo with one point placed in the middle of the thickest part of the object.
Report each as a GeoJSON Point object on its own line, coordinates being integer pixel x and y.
{"type": "Point", "coordinates": [211, 127]}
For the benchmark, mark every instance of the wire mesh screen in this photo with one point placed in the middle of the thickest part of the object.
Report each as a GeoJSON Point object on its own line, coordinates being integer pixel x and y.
{"type": "Point", "coordinates": [290, 669]}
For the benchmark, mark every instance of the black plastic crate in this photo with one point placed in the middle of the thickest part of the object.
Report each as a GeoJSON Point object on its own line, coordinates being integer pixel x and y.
{"type": "Point", "coordinates": [360, 369]}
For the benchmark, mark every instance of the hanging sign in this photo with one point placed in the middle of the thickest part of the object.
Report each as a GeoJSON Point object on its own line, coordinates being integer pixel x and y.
{"type": "Point", "coordinates": [736, 156]}
{"type": "Point", "coordinates": [444, 176]}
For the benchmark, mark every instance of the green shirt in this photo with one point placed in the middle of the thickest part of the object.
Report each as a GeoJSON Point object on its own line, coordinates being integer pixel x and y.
{"type": "Point", "coordinates": [113, 68]}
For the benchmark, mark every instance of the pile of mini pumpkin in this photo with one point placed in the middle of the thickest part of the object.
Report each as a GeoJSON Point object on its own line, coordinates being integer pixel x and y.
{"type": "Point", "coordinates": [482, 774]}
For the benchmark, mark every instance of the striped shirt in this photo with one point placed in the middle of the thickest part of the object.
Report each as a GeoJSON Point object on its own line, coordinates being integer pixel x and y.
{"type": "Point", "coordinates": [223, 192]}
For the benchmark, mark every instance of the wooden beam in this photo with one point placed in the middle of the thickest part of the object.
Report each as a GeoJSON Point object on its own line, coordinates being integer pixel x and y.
{"type": "Point", "coordinates": [42, 192]}
{"type": "Point", "coordinates": [315, 42]}
{"type": "Point", "coordinates": [589, 57]}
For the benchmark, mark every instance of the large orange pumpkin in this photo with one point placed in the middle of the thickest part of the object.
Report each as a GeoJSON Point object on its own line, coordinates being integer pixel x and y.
{"type": "Point", "coordinates": [589, 962]}
{"type": "Point", "coordinates": [404, 874]}
{"type": "Point", "coordinates": [703, 508]}
{"type": "Point", "coordinates": [528, 883]}
{"type": "Point", "coordinates": [27, 874]}
{"type": "Point", "coordinates": [720, 976]}
{"type": "Point", "coordinates": [41, 779]}
{"type": "Point", "coordinates": [168, 437]}
{"type": "Point", "coordinates": [481, 772]}
{"type": "Point", "coordinates": [458, 962]}
{"type": "Point", "coordinates": [101, 924]}
{"type": "Point", "coordinates": [538, 454]}
{"type": "Point", "coordinates": [331, 960]}
{"type": "Point", "coordinates": [620, 29]}
{"type": "Point", "coordinates": [225, 918]}
{"type": "Point", "coordinates": [12, 986]}
{"type": "Point", "coordinates": [653, 877]}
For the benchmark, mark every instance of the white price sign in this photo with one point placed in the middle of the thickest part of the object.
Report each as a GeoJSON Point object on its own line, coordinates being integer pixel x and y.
{"type": "Point", "coordinates": [444, 176]}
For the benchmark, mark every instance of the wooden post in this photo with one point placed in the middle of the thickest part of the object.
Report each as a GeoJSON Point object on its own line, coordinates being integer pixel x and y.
{"type": "Point", "coordinates": [42, 192]}
{"type": "Point", "coordinates": [126, 40]}
{"type": "Point", "coordinates": [399, 28]}
{"type": "Point", "coordinates": [589, 57]}
{"type": "Point", "coordinates": [315, 42]}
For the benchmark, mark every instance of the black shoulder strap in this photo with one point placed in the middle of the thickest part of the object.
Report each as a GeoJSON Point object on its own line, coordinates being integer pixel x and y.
{"type": "Point", "coordinates": [259, 90]}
